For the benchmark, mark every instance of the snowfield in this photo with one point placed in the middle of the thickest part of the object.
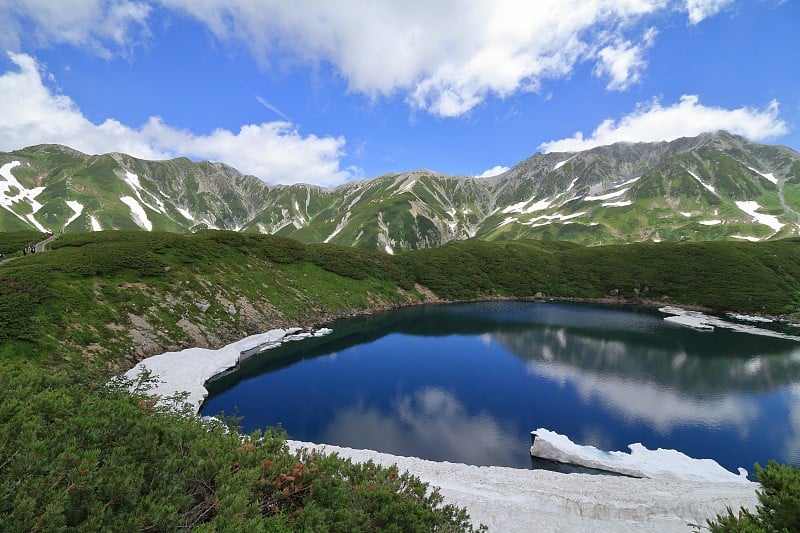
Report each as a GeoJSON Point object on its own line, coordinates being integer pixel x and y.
{"type": "Point", "coordinates": [21, 193]}
{"type": "Point", "coordinates": [505, 499]}
{"type": "Point", "coordinates": [138, 214]}
{"type": "Point", "coordinates": [770, 177]}
{"type": "Point", "coordinates": [77, 209]}
{"type": "Point", "coordinates": [608, 196]}
{"type": "Point", "coordinates": [95, 223]}
{"type": "Point", "coordinates": [751, 208]}
{"type": "Point", "coordinates": [704, 184]}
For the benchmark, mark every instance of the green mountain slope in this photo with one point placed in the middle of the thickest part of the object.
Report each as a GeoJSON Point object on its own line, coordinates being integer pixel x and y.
{"type": "Point", "coordinates": [711, 187]}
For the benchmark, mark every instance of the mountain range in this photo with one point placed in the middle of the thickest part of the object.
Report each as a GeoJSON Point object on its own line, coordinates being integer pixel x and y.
{"type": "Point", "coordinates": [710, 187]}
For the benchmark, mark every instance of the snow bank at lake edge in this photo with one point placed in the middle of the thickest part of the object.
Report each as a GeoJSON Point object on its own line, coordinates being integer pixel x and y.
{"type": "Point", "coordinates": [190, 369]}
{"type": "Point", "coordinates": [505, 499]}
{"type": "Point", "coordinates": [640, 462]}
{"type": "Point", "coordinates": [513, 499]}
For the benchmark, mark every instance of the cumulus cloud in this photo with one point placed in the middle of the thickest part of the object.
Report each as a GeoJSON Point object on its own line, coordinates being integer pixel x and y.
{"type": "Point", "coordinates": [446, 56]}
{"type": "Point", "coordinates": [494, 171]}
{"type": "Point", "coordinates": [699, 10]}
{"type": "Point", "coordinates": [273, 151]}
{"type": "Point", "coordinates": [94, 24]}
{"type": "Point", "coordinates": [623, 61]}
{"type": "Point", "coordinates": [656, 122]}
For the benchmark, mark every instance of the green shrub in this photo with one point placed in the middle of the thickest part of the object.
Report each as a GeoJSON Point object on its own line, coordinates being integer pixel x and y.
{"type": "Point", "coordinates": [77, 456]}
{"type": "Point", "coordinates": [778, 509]}
{"type": "Point", "coordinates": [16, 241]}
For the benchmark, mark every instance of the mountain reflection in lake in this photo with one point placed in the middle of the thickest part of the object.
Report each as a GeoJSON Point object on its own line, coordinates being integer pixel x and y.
{"type": "Point", "coordinates": [468, 382]}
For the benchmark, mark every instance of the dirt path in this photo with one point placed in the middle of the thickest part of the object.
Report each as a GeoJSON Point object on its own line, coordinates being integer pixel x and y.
{"type": "Point", "coordinates": [40, 246]}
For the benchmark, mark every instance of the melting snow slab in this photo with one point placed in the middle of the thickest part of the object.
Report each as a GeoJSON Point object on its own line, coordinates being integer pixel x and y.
{"type": "Point", "coordinates": [689, 318]}
{"type": "Point", "coordinates": [641, 462]}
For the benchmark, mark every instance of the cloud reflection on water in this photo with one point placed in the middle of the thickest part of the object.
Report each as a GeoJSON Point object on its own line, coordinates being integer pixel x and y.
{"type": "Point", "coordinates": [430, 423]}
{"type": "Point", "coordinates": [666, 385]}
{"type": "Point", "coordinates": [662, 408]}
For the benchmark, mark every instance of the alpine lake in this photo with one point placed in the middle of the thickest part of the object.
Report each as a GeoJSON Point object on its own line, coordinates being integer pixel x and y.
{"type": "Point", "coordinates": [469, 382]}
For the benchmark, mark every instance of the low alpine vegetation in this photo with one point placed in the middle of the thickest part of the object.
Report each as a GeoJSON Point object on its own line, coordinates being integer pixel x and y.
{"type": "Point", "coordinates": [77, 453]}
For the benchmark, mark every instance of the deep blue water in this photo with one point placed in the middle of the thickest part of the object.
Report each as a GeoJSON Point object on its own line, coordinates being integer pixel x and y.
{"type": "Point", "coordinates": [469, 382]}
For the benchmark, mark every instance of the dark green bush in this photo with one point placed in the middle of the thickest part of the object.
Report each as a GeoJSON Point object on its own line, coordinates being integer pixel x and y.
{"type": "Point", "coordinates": [778, 509]}
{"type": "Point", "coordinates": [15, 241]}
{"type": "Point", "coordinates": [77, 456]}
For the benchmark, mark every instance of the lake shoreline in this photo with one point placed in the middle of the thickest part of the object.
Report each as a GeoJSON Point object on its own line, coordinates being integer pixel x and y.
{"type": "Point", "coordinates": [327, 318]}
{"type": "Point", "coordinates": [511, 499]}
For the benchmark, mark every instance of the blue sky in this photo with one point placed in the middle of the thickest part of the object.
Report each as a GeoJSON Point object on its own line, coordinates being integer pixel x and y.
{"type": "Point", "coordinates": [327, 92]}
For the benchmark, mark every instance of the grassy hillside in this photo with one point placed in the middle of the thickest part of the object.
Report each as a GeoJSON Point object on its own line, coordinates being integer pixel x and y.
{"type": "Point", "coordinates": [115, 297]}
{"type": "Point", "coordinates": [12, 243]}
{"type": "Point", "coordinates": [76, 453]}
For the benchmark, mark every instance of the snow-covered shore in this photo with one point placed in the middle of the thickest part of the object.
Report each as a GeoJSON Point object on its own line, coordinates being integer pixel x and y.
{"type": "Point", "coordinates": [697, 319]}
{"type": "Point", "coordinates": [513, 499]}
{"type": "Point", "coordinates": [505, 499]}
{"type": "Point", "coordinates": [188, 370]}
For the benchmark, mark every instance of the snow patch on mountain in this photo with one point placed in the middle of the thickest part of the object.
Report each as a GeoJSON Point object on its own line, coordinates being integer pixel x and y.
{"type": "Point", "coordinates": [544, 220]}
{"type": "Point", "coordinates": [571, 184]}
{"type": "Point", "coordinates": [339, 227]}
{"type": "Point", "coordinates": [138, 213]}
{"type": "Point", "coordinates": [608, 196]}
{"type": "Point", "coordinates": [77, 210]}
{"type": "Point", "coordinates": [562, 163]}
{"type": "Point", "coordinates": [751, 208]}
{"type": "Point", "coordinates": [22, 193]}
{"type": "Point", "coordinates": [186, 214]}
{"type": "Point", "coordinates": [629, 182]}
{"type": "Point", "coordinates": [621, 203]}
{"type": "Point", "coordinates": [95, 223]}
{"type": "Point", "coordinates": [769, 177]}
{"type": "Point", "coordinates": [407, 185]}
{"type": "Point", "coordinates": [704, 184]}
{"type": "Point", "coordinates": [136, 186]}
{"type": "Point", "coordinates": [714, 222]}
{"type": "Point", "coordinates": [383, 236]}
{"type": "Point", "coordinates": [521, 208]}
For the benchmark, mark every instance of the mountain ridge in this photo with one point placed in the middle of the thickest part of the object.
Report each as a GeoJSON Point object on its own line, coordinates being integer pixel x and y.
{"type": "Point", "coordinates": [713, 186]}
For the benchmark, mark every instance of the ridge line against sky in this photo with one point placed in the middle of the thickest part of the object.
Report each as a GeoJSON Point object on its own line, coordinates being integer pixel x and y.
{"type": "Point", "coordinates": [327, 92]}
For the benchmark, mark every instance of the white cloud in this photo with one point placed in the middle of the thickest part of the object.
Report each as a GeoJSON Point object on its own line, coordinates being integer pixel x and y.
{"type": "Point", "coordinates": [446, 56]}
{"type": "Point", "coordinates": [699, 10]}
{"type": "Point", "coordinates": [274, 151]}
{"type": "Point", "coordinates": [623, 61]}
{"type": "Point", "coordinates": [655, 122]}
{"type": "Point", "coordinates": [94, 24]}
{"type": "Point", "coordinates": [494, 171]}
